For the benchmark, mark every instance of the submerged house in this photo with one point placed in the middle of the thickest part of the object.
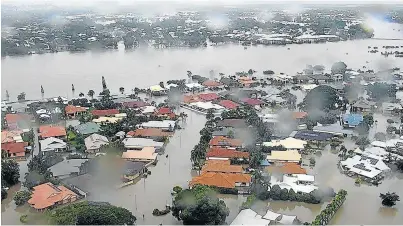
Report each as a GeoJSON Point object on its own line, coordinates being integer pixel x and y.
{"type": "Point", "coordinates": [47, 195]}
{"type": "Point", "coordinates": [352, 120]}
{"type": "Point", "coordinates": [250, 217]}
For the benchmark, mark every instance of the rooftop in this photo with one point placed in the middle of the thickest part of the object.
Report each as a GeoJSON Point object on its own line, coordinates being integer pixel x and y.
{"type": "Point", "coordinates": [225, 141]}
{"type": "Point", "coordinates": [47, 195]}
{"type": "Point", "coordinates": [52, 131]}
{"type": "Point", "coordinates": [221, 180]}
{"type": "Point", "coordinates": [226, 153]}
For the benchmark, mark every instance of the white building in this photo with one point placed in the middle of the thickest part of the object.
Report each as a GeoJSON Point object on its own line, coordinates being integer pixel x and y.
{"type": "Point", "coordinates": [289, 143]}
{"type": "Point", "coordinates": [164, 125]}
{"type": "Point", "coordinates": [366, 165]}
{"type": "Point", "coordinates": [298, 182]}
{"type": "Point", "coordinates": [53, 144]}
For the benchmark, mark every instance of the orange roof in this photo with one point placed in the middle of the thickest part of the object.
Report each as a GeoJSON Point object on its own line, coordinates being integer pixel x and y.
{"type": "Point", "coordinates": [52, 131]}
{"type": "Point", "coordinates": [225, 141]}
{"type": "Point", "coordinates": [149, 132]}
{"type": "Point", "coordinates": [47, 195]}
{"type": "Point", "coordinates": [287, 168]}
{"type": "Point", "coordinates": [221, 166]}
{"type": "Point", "coordinates": [299, 115]}
{"type": "Point", "coordinates": [8, 136]}
{"type": "Point", "coordinates": [71, 109]}
{"type": "Point", "coordinates": [221, 180]}
{"type": "Point", "coordinates": [190, 99]}
{"type": "Point", "coordinates": [14, 118]}
{"type": "Point", "coordinates": [226, 153]}
{"type": "Point", "coordinates": [14, 147]}
{"type": "Point", "coordinates": [211, 83]}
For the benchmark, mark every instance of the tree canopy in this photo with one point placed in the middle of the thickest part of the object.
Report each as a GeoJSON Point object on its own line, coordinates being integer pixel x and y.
{"type": "Point", "coordinates": [10, 172]}
{"type": "Point", "coordinates": [323, 98]}
{"type": "Point", "coordinates": [339, 68]}
{"type": "Point", "coordinates": [199, 206]}
{"type": "Point", "coordinates": [92, 213]}
{"type": "Point", "coordinates": [389, 199]}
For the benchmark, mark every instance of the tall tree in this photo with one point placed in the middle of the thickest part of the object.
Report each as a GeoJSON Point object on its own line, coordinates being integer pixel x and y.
{"type": "Point", "coordinates": [199, 206]}
{"type": "Point", "coordinates": [42, 90]}
{"type": "Point", "coordinates": [104, 83]}
{"type": "Point", "coordinates": [72, 88]}
{"type": "Point", "coordinates": [121, 90]}
{"type": "Point", "coordinates": [81, 94]}
{"type": "Point", "coordinates": [7, 96]}
{"type": "Point", "coordinates": [91, 93]}
{"type": "Point", "coordinates": [10, 172]}
{"type": "Point", "coordinates": [92, 213]}
{"type": "Point", "coordinates": [339, 68]}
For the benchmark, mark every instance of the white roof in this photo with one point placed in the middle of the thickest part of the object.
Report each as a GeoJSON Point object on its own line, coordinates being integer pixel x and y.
{"type": "Point", "coordinates": [380, 152]}
{"type": "Point", "coordinates": [370, 167]}
{"type": "Point", "coordinates": [287, 220]}
{"type": "Point", "coordinates": [249, 217]}
{"type": "Point", "coordinates": [271, 216]}
{"type": "Point", "coordinates": [194, 85]}
{"type": "Point", "coordinates": [290, 182]}
{"type": "Point", "coordinates": [207, 105]}
{"type": "Point", "coordinates": [52, 143]}
{"type": "Point", "coordinates": [95, 141]}
{"type": "Point", "coordinates": [287, 156]}
{"type": "Point", "coordinates": [288, 143]}
{"type": "Point", "coordinates": [171, 85]}
{"type": "Point", "coordinates": [136, 143]}
{"type": "Point", "coordinates": [305, 177]}
{"type": "Point", "coordinates": [148, 109]}
{"type": "Point", "coordinates": [378, 144]}
{"type": "Point", "coordinates": [158, 124]}
{"type": "Point", "coordinates": [309, 86]}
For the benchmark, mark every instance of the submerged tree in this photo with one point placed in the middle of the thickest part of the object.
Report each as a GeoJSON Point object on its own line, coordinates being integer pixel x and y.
{"type": "Point", "coordinates": [199, 206]}
{"type": "Point", "coordinates": [10, 172]}
{"type": "Point", "coordinates": [121, 90]}
{"type": "Point", "coordinates": [7, 96]}
{"type": "Point", "coordinates": [21, 96]}
{"type": "Point", "coordinates": [339, 68]}
{"type": "Point", "coordinates": [389, 199]}
{"type": "Point", "coordinates": [323, 98]}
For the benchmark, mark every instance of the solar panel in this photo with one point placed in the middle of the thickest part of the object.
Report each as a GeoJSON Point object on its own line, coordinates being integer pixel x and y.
{"type": "Point", "coordinates": [361, 166]}
{"type": "Point", "coordinates": [372, 161]}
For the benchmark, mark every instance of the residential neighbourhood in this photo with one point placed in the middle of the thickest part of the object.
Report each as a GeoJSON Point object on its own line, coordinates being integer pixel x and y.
{"type": "Point", "coordinates": [204, 144]}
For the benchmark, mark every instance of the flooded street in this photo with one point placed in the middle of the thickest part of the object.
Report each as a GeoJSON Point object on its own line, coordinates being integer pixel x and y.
{"type": "Point", "coordinates": [145, 67]}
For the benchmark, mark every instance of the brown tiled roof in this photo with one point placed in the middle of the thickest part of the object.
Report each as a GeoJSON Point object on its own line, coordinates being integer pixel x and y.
{"type": "Point", "coordinates": [221, 180]}
{"type": "Point", "coordinates": [71, 109]}
{"type": "Point", "coordinates": [105, 112]}
{"type": "Point", "coordinates": [14, 118]}
{"type": "Point", "coordinates": [208, 96]}
{"type": "Point", "coordinates": [52, 131]}
{"type": "Point", "coordinates": [190, 99]}
{"type": "Point", "coordinates": [14, 147]}
{"type": "Point", "coordinates": [226, 153]}
{"type": "Point", "coordinates": [225, 141]}
{"type": "Point", "coordinates": [228, 104]}
{"type": "Point", "coordinates": [286, 168]}
{"type": "Point", "coordinates": [149, 132]}
{"type": "Point", "coordinates": [47, 195]}
{"type": "Point", "coordinates": [221, 166]}
{"type": "Point", "coordinates": [211, 83]}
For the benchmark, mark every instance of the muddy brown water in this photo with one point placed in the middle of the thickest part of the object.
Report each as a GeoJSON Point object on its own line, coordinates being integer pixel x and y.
{"type": "Point", "coordinates": [139, 68]}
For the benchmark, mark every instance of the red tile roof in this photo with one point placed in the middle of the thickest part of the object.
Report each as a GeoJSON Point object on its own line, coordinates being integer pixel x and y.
{"type": "Point", "coordinates": [105, 112]}
{"type": "Point", "coordinates": [208, 96]}
{"type": "Point", "coordinates": [163, 111]}
{"type": "Point", "coordinates": [221, 166]}
{"type": "Point", "coordinates": [225, 141]}
{"type": "Point", "coordinates": [211, 83]}
{"type": "Point", "coordinates": [47, 195]}
{"type": "Point", "coordinates": [286, 168]}
{"type": "Point", "coordinates": [71, 109]}
{"type": "Point", "coordinates": [14, 118]}
{"type": "Point", "coordinates": [299, 115]}
{"type": "Point", "coordinates": [226, 153]}
{"type": "Point", "coordinates": [52, 131]}
{"type": "Point", "coordinates": [228, 104]}
{"type": "Point", "coordinates": [135, 104]}
{"type": "Point", "coordinates": [8, 136]}
{"type": "Point", "coordinates": [190, 99]}
{"type": "Point", "coordinates": [14, 147]}
{"type": "Point", "coordinates": [221, 180]}
{"type": "Point", "coordinates": [251, 101]}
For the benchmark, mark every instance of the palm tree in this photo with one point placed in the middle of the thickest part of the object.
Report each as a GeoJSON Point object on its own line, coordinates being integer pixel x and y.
{"type": "Point", "coordinates": [7, 96]}
{"type": "Point", "coordinates": [81, 94]}
{"type": "Point", "coordinates": [121, 90]}
{"type": "Point", "coordinates": [42, 91]}
{"type": "Point", "coordinates": [91, 93]}
{"type": "Point", "coordinates": [104, 83]}
{"type": "Point", "coordinates": [389, 199]}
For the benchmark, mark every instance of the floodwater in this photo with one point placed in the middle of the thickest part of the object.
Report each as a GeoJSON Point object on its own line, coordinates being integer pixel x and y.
{"type": "Point", "coordinates": [145, 67]}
